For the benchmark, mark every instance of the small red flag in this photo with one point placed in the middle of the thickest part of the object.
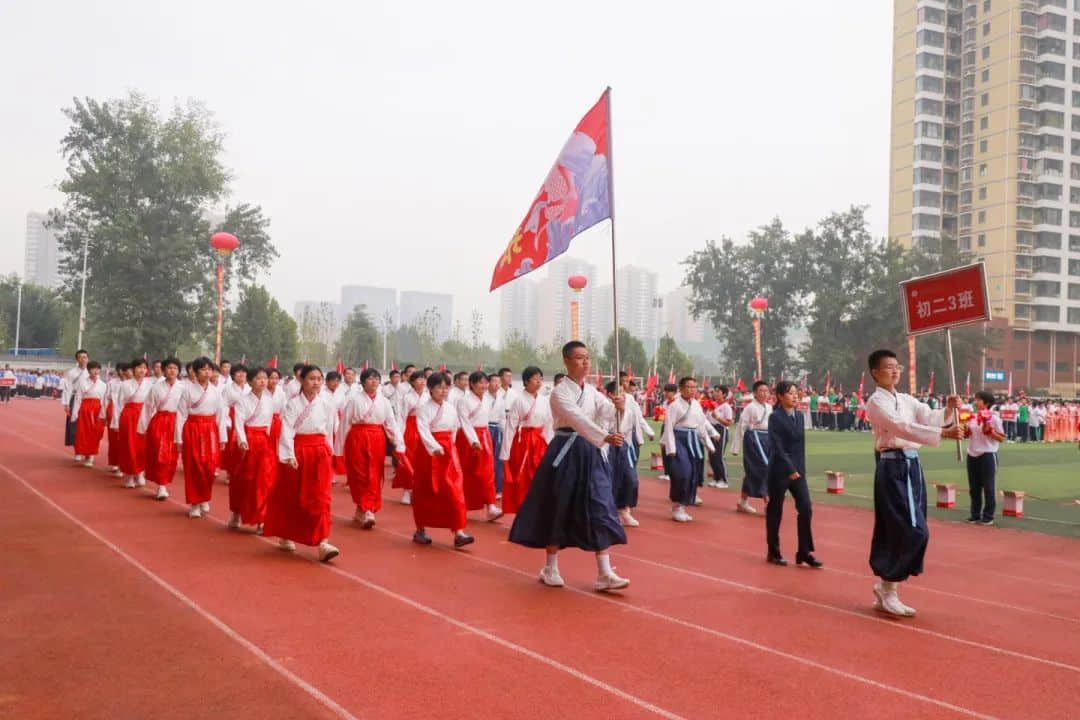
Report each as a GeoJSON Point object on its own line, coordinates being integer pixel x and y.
{"type": "Point", "coordinates": [393, 365]}
{"type": "Point", "coordinates": [272, 363]}
{"type": "Point", "coordinates": [930, 388]}
{"type": "Point", "coordinates": [365, 365]}
{"type": "Point", "coordinates": [340, 366]}
{"type": "Point", "coordinates": [442, 367]}
{"type": "Point", "coordinates": [741, 387]}
{"type": "Point", "coordinates": [671, 376]}
{"type": "Point", "coordinates": [651, 383]}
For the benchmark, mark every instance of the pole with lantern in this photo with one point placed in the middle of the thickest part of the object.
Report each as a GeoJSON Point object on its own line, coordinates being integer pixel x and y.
{"type": "Point", "coordinates": [757, 308]}
{"type": "Point", "coordinates": [577, 283]}
{"type": "Point", "coordinates": [224, 243]}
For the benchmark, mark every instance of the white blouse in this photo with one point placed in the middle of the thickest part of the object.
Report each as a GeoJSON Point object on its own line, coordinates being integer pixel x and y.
{"type": "Point", "coordinates": [254, 410]}
{"type": "Point", "coordinates": [432, 417]}
{"type": "Point", "coordinates": [900, 421]}
{"type": "Point", "coordinates": [526, 410]}
{"type": "Point", "coordinates": [194, 400]}
{"type": "Point", "coordinates": [755, 416]}
{"type": "Point", "coordinates": [363, 409]}
{"type": "Point", "coordinates": [321, 420]}
{"type": "Point", "coordinates": [688, 415]}
{"type": "Point", "coordinates": [88, 389]}
{"type": "Point", "coordinates": [584, 409]}
{"type": "Point", "coordinates": [161, 398]}
{"type": "Point", "coordinates": [131, 391]}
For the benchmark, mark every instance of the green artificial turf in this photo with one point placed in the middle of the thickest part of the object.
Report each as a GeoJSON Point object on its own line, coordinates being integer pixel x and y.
{"type": "Point", "coordinates": [1048, 473]}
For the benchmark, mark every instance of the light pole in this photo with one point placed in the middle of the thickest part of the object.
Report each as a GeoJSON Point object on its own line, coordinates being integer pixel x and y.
{"type": "Point", "coordinates": [224, 243]}
{"type": "Point", "coordinates": [18, 317]}
{"type": "Point", "coordinates": [757, 309]}
{"type": "Point", "coordinates": [82, 294]}
{"type": "Point", "coordinates": [387, 319]}
{"type": "Point", "coordinates": [577, 283]}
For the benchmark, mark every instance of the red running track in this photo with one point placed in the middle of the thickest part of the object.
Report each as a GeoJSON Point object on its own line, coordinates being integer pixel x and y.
{"type": "Point", "coordinates": [116, 606]}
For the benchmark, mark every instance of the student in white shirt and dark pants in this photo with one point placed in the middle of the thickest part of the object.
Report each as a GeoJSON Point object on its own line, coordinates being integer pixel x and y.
{"type": "Point", "coordinates": [984, 432]}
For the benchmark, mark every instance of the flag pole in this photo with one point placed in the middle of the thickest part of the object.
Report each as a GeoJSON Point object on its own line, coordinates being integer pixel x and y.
{"type": "Point", "coordinates": [611, 207]}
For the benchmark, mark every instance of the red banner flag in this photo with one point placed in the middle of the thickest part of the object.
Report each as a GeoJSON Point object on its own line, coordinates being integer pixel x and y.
{"type": "Point", "coordinates": [272, 363]}
{"type": "Point", "coordinates": [365, 365]}
{"type": "Point", "coordinates": [1009, 393]}
{"type": "Point", "coordinates": [651, 383]}
{"type": "Point", "coordinates": [671, 376]}
{"type": "Point", "coordinates": [574, 197]}
{"type": "Point", "coordinates": [442, 367]}
{"type": "Point", "coordinates": [340, 366]}
{"type": "Point", "coordinates": [967, 385]}
{"type": "Point", "coordinates": [741, 387]}
{"type": "Point", "coordinates": [930, 387]}
{"type": "Point", "coordinates": [828, 382]}
{"type": "Point", "coordinates": [393, 365]}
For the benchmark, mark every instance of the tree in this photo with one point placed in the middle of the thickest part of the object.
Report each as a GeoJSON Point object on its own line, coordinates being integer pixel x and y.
{"type": "Point", "coordinates": [517, 352]}
{"type": "Point", "coordinates": [669, 356]}
{"type": "Point", "coordinates": [137, 189]}
{"type": "Point", "coordinates": [318, 331]}
{"type": "Point", "coordinates": [259, 328]}
{"type": "Point", "coordinates": [43, 315]}
{"type": "Point", "coordinates": [631, 353]}
{"type": "Point", "coordinates": [360, 340]}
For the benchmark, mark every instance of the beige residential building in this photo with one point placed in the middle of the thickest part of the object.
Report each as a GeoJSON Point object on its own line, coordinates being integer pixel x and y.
{"type": "Point", "coordinates": [985, 152]}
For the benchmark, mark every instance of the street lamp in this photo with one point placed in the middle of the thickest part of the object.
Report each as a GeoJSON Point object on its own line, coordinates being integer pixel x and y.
{"type": "Point", "coordinates": [82, 294]}
{"type": "Point", "coordinates": [18, 316]}
{"type": "Point", "coordinates": [757, 309]}
{"type": "Point", "coordinates": [224, 243]}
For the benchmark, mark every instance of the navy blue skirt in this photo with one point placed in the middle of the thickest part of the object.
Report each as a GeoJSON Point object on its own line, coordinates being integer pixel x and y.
{"type": "Point", "coordinates": [70, 423]}
{"type": "Point", "coordinates": [570, 502]}
{"type": "Point", "coordinates": [624, 478]}
{"type": "Point", "coordinates": [496, 442]}
{"type": "Point", "coordinates": [900, 532]}
{"type": "Point", "coordinates": [755, 462]}
{"type": "Point", "coordinates": [687, 467]}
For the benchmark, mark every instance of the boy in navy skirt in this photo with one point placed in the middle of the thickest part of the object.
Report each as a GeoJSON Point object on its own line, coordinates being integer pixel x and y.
{"type": "Point", "coordinates": [570, 501]}
{"type": "Point", "coordinates": [901, 425]}
{"type": "Point", "coordinates": [752, 437]}
{"type": "Point", "coordinates": [985, 433]}
{"type": "Point", "coordinates": [687, 435]}
{"type": "Point", "coordinates": [624, 477]}
{"type": "Point", "coordinates": [670, 390]}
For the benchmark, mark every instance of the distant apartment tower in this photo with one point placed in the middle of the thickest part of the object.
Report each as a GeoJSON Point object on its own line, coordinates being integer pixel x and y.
{"type": "Point", "coordinates": [985, 152]}
{"type": "Point", "coordinates": [518, 309]}
{"type": "Point", "coordinates": [415, 305]}
{"type": "Point", "coordinates": [380, 304]}
{"type": "Point", "coordinates": [638, 307]}
{"type": "Point", "coordinates": [677, 320]}
{"type": "Point", "coordinates": [41, 264]}
{"type": "Point", "coordinates": [553, 301]}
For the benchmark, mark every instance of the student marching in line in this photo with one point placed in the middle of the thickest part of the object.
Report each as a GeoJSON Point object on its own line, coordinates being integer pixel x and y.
{"type": "Point", "coordinates": [277, 400]}
{"type": "Point", "coordinates": [528, 432]}
{"type": "Point", "coordinates": [459, 388]}
{"type": "Point", "coordinates": [330, 388]}
{"type": "Point", "coordinates": [475, 447]}
{"type": "Point", "coordinates": [496, 427]}
{"type": "Point", "coordinates": [438, 494]}
{"type": "Point", "coordinates": [130, 399]}
{"type": "Point", "coordinates": [232, 389]}
{"type": "Point", "coordinates": [670, 390]}
{"type": "Point", "coordinates": [298, 507]}
{"type": "Point", "coordinates": [112, 409]}
{"type": "Point", "coordinates": [257, 467]}
{"type": "Point", "coordinates": [157, 424]}
{"type": "Point", "coordinates": [201, 426]}
{"type": "Point", "coordinates": [687, 435]}
{"type": "Point", "coordinates": [87, 410]}
{"type": "Point", "coordinates": [901, 425]}
{"type": "Point", "coordinates": [721, 417]}
{"type": "Point", "coordinates": [570, 501]}
{"type": "Point", "coordinates": [413, 398]}
{"type": "Point", "coordinates": [752, 436]}
{"type": "Point", "coordinates": [68, 384]}
{"type": "Point", "coordinates": [984, 432]}
{"type": "Point", "coordinates": [623, 460]}
{"type": "Point", "coordinates": [367, 420]}
{"type": "Point", "coordinates": [787, 472]}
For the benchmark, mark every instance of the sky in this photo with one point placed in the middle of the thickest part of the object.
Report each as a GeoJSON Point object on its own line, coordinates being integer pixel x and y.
{"type": "Point", "coordinates": [400, 144]}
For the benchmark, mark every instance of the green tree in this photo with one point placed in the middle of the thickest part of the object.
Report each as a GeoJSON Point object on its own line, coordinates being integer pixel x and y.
{"type": "Point", "coordinates": [259, 328]}
{"type": "Point", "coordinates": [137, 190]}
{"type": "Point", "coordinates": [317, 330]}
{"type": "Point", "coordinates": [517, 352]}
{"type": "Point", "coordinates": [669, 356]}
{"type": "Point", "coordinates": [631, 353]}
{"type": "Point", "coordinates": [360, 341]}
{"type": "Point", "coordinates": [43, 315]}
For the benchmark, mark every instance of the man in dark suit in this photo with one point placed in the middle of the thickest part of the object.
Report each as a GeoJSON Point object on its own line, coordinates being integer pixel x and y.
{"type": "Point", "coordinates": [787, 472]}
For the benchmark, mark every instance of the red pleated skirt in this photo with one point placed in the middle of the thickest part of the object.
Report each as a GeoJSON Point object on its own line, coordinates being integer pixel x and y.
{"type": "Point", "coordinates": [113, 454]}
{"type": "Point", "coordinates": [525, 456]}
{"type": "Point", "coordinates": [230, 456]}
{"type": "Point", "coordinates": [89, 427]}
{"type": "Point", "coordinates": [478, 469]}
{"type": "Point", "coordinates": [404, 472]}
{"type": "Point", "coordinates": [365, 465]}
{"type": "Point", "coordinates": [438, 497]}
{"type": "Point", "coordinates": [255, 475]}
{"type": "Point", "coordinates": [132, 447]}
{"type": "Point", "coordinates": [298, 507]}
{"type": "Point", "coordinates": [202, 454]}
{"type": "Point", "coordinates": [275, 429]}
{"type": "Point", "coordinates": [161, 453]}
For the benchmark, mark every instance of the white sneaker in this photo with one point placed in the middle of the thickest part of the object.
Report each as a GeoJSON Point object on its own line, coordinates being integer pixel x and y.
{"type": "Point", "coordinates": [79, 458]}
{"type": "Point", "coordinates": [406, 497]}
{"type": "Point", "coordinates": [551, 577]}
{"type": "Point", "coordinates": [140, 480]}
{"type": "Point", "coordinates": [327, 552]}
{"type": "Point", "coordinates": [889, 602]}
{"type": "Point", "coordinates": [162, 493]}
{"type": "Point", "coordinates": [286, 545]}
{"type": "Point", "coordinates": [234, 521]}
{"type": "Point", "coordinates": [610, 582]}
{"type": "Point", "coordinates": [498, 496]}
{"type": "Point", "coordinates": [358, 516]}
{"type": "Point", "coordinates": [665, 478]}
{"type": "Point", "coordinates": [720, 485]}
{"type": "Point", "coordinates": [698, 501]}
{"type": "Point", "coordinates": [116, 472]}
{"type": "Point", "coordinates": [88, 462]}
{"type": "Point", "coordinates": [194, 512]}
{"type": "Point", "coordinates": [205, 507]}
{"type": "Point", "coordinates": [627, 519]}
{"type": "Point", "coordinates": [369, 520]}
{"type": "Point", "coordinates": [679, 514]}
{"type": "Point", "coordinates": [745, 507]}
{"type": "Point", "coordinates": [130, 482]}
{"type": "Point", "coordinates": [494, 513]}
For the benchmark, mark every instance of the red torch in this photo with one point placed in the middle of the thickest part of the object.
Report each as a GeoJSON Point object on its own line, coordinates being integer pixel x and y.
{"type": "Point", "coordinates": [577, 283]}
{"type": "Point", "coordinates": [224, 243]}
{"type": "Point", "coordinates": [757, 309]}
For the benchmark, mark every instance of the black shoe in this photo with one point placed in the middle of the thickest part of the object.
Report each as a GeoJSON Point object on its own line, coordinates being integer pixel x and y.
{"type": "Point", "coordinates": [420, 538]}
{"type": "Point", "coordinates": [776, 560]}
{"type": "Point", "coordinates": [810, 560]}
{"type": "Point", "coordinates": [972, 521]}
{"type": "Point", "coordinates": [987, 522]}
{"type": "Point", "coordinates": [461, 541]}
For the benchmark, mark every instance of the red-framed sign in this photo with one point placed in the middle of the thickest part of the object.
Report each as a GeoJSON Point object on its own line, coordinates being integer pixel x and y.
{"type": "Point", "coordinates": [945, 299]}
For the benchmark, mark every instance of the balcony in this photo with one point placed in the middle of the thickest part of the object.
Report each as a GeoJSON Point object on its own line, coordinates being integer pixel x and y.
{"type": "Point", "coordinates": [1021, 323]}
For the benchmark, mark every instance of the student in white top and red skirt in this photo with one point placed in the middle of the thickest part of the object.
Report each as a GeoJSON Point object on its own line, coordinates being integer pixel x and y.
{"type": "Point", "coordinates": [201, 425]}
{"type": "Point", "coordinates": [438, 494]}
{"type": "Point", "coordinates": [298, 509]}
{"type": "Point", "coordinates": [130, 399]}
{"type": "Point", "coordinates": [257, 467]}
{"type": "Point", "coordinates": [231, 392]}
{"type": "Point", "coordinates": [367, 419]}
{"type": "Point", "coordinates": [87, 413]}
{"type": "Point", "coordinates": [412, 398]}
{"type": "Point", "coordinates": [475, 447]}
{"type": "Point", "coordinates": [158, 425]}
{"type": "Point", "coordinates": [528, 431]}
{"type": "Point", "coordinates": [111, 409]}
{"type": "Point", "coordinates": [277, 395]}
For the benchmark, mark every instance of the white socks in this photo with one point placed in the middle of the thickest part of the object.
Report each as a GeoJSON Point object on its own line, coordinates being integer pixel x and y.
{"type": "Point", "coordinates": [551, 561]}
{"type": "Point", "coordinates": [603, 564]}
{"type": "Point", "coordinates": [888, 586]}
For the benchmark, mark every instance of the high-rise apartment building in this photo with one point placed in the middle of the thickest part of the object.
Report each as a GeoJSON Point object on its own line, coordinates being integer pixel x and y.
{"type": "Point", "coordinates": [553, 301]}
{"type": "Point", "coordinates": [41, 264]}
{"type": "Point", "coordinates": [380, 304]}
{"type": "Point", "coordinates": [677, 320]}
{"type": "Point", "coordinates": [985, 152]}
{"type": "Point", "coordinates": [518, 309]}
{"type": "Point", "coordinates": [418, 307]}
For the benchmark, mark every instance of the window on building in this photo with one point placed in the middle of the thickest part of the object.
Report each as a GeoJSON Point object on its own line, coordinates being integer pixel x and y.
{"type": "Point", "coordinates": [927, 176]}
{"type": "Point", "coordinates": [1061, 367]}
{"type": "Point", "coordinates": [1046, 289]}
{"type": "Point", "coordinates": [1046, 313]}
{"type": "Point", "coordinates": [1046, 264]}
{"type": "Point", "coordinates": [984, 99]}
{"type": "Point", "coordinates": [1019, 364]}
{"type": "Point", "coordinates": [986, 53]}
{"type": "Point", "coordinates": [1074, 291]}
{"type": "Point", "coordinates": [982, 170]}
{"type": "Point", "coordinates": [984, 145]}
{"type": "Point", "coordinates": [1022, 286]}
{"type": "Point", "coordinates": [1050, 94]}
{"type": "Point", "coordinates": [984, 122]}
{"type": "Point", "coordinates": [986, 6]}
{"type": "Point", "coordinates": [1047, 240]}
{"type": "Point", "coordinates": [986, 29]}
{"type": "Point", "coordinates": [1041, 365]}
{"type": "Point", "coordinates": [929, 83]}
{"type": "Point", "coordinates": [982, 193]}
{"type": "Point", "coordinates": [985, 76]}
{"type": "Point", "coordinates": [982, 217]}
{"type": "Point", "coordinates": [1074, 319]}
{"type": "Point", "coordinates": [982, 239]}
{"type": "Point", "coordinates": [929, 61]}
{"type": "Point", "coordinates": [965, 242]}
{"type": "Point", "coordinates": [1074, 268]}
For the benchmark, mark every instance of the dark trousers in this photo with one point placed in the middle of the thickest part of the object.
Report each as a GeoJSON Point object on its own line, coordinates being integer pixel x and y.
{"type": "Point", "coordinates": [1022, 431]}
{"type": "Point", "coordinates": [496, 442]}
{"type": "Point", "coordinates": [716, 458]}
{"type": "Point", "coordinates": [774, 512]}
{"type": "Point", "coordinates": [982, 484]}
{"type": "Point", "coordinates": [1010, 429]}
{"type": "Point", "coordinates": [815, 419]}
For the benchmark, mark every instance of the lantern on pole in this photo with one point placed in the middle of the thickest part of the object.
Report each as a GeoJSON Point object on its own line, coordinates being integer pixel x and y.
{"type": "Point", "coordinates": [224, 243]}
{"type": "Point", "coordinates": [757, 308]}
{"type": "Point", "coordinates": [577, 283]}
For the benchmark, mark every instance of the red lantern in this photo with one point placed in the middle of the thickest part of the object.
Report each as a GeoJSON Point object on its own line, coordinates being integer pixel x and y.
{"type": "Point", "coordinates": [224, 243]}
{"type": "Point", "coordinates": [577, 283]}
{"type": "Point", "coordinates": [760, 304]}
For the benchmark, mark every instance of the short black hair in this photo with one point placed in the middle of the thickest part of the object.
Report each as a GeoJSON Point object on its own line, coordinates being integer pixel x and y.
{"type": "Point", "coordinates": [93, 364]}
{"type": "Point", "coordinates": [436, 379]}
{"type": "Point", "coordinates": [570, 347]}
{"type": "Point", "coordinates": [671, 387]}
{"type": "Point", "coordinates": [237, 368]}
{"type": "Point", "coordinates": [622, 374]}
{"type": "Point", "coordinates": [531, 372]}
{"type": "Point", "coordinates": [722, 388]}
{"type": "Point", "coordinates": [782, 387]}
{"type": "Point", "coordinates": [985, 395]}
{"type": "Point", "coordinates": [757, 384]}
{"type": "Point", "coordinates": [223, 361]}
{"type": "Point", "coordinates": [559, 376]}
{"type": "Point", "coordinates": [476, 376]}
{"type": "Point", "coordinates": [306, 370]}
{"type": "Point", "coordinates": [686, 379]}
{"type": "Point", "coordinates": [370, 372]}
{"type": "Point", "coordinates": [610, 387]}
{"type": "Point", "coordinates": [493, 376]}
{"type": "Point", "coordinates": [81, 351]}
{"type": "Point", "coordinates": [504, 370]}
{"type": "Point", "coordinates": [460, 374]}
{"type": "Point", "coordinates": [200, 362]}
{"type": "Point", "coordinates": [137, 362]}
{"type": "Point", "coordinates": [395, 372]}
{"type": "Point", "coordinates": [428, 368]}
{"type": "Point", "coordinates": [270, 372]}
{"type": "Point", "coordinates": [416, 375]}
{"type": "Point", "coordinates": [252, 372]}
{"type": "Point", "coordinates": [877, 356]}
{"type": "Point", "coordinates": [170, 361]}
{"type": "Point", "coordinates": [333, 375]}
{"type": "Point", "coordinates": [120, 367]}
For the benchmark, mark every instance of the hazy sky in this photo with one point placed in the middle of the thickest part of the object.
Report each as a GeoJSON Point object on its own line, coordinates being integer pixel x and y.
{"type": "Point", "coordinates": [400, 144]}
